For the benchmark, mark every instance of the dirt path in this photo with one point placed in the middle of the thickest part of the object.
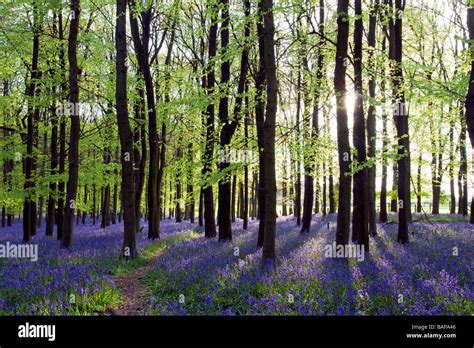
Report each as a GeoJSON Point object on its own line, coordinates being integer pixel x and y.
{"type": "Point", "coordinates": [133, 291]}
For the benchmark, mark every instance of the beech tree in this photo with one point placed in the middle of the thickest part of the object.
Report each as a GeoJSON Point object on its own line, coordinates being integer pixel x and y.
{"type": "Point", "coordinates": [401, 121]}
{"type": "Point", "coordinates": [209, 218]}
{"type": "Point", "coordinates": [309, 185]}
{"type": "Point", "coordinates": [29, 207]}
{"type": "Point", "coordinates": [73, 155]}
{"type": "Point", "coordinates": [371, 119]}
{"type": "Point", "coordinates": [229, 126]}
{"type": "Point", "coordinates": [343, 147]}
{"type": "Point", "coordinates": [360, 203]}
{"type": "Point", "coordinates": [269, 135]}
{"type": "Point", "coordinates": [141, 43]}
{"type": "Point", "coordinates": [128, 185]}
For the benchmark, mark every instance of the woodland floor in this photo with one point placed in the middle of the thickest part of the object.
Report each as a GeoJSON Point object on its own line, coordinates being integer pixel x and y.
{"type": "Point", "coordinates": [133, 290]}
{"type": "Point", "coordinates": [184, 273]}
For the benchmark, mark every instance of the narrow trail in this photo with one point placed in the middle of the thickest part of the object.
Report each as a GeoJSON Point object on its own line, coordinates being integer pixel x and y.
{"type": "Point", "coordinates": [133, 290]}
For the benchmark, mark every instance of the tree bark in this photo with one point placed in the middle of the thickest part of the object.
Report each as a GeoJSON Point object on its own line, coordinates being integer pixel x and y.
{"type": "Point", "coordinates": [360, 190]}
{"type": "Point", "coordinates": [246, 168]}
{"type": "Point", "coordinates": [332, 203]}
{"type": "Point", "coordinates": [62, 138]}
{"type": "Point", "coordinates": [229, 127]}
{"type": "Point", "coordinates": [141, 51]}
{"type": "Point", "coordinates": [383, 216]}
{"type": "Point", "coordinates": [260, 120]}
{"type": "Point", "coordinates": [436, 162]}
{"type": "Point", "coordinates": [179, 154]}
{"type": "Point", "coordinates": [324, 193]}
{"type": "Point", "coordinates": [201, 208]}
{"type": "Point", "coordinates": [452, 199]}
{"type": "Point", "coordinates": [371, 121]}
{"type": "Point", "coordinates": [105, 199]}
{"type": "Point", "coordinates": [232, 203]}
{"type": "Point", "coordinates": [462, 174]}
{"type": "Point", "coordinates": [268, 252]}
{"type": "Point", "coordinates": [393, 199]}
{"type": "Point", "coordinates": [86, 197]}
{"type": "Point", "coordinates": [344, 197]}
{"type": "Point", "coordinates": [125, 135]}
{"type": "Point", "coordinates": [418, 184]}
{"type": "Point", "coordinates": [209, 218]}
{"type": "Point", "coordinates": [189, 184]}
{"type": "Point", "coordinates": [401, 123]}
{"type": "Point", "coordinates": [73, 155]}
{"type": "Point", "coordinates": [139, 156]}
{"type": "Point", "coordinates": [310, 160]}
{"type": "Point", "coordinates": [50, 214]}
{"type": "Point", "coordinates": [29, 206]}
{"type": "Point", "coordinates": [296, 158]}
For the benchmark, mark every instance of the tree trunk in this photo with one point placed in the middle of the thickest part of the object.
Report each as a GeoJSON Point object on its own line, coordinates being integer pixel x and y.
{"type": "Point", "coordinates": [344, 199]}
{"type": "Point", "coordinates": [317, 192]}
{"type": "Point", "coordinates": [435, 182]}
{"type": "Point", "coordinates": [39, 220]}
{"type": "Point", "coordinates": [94, 204]}
{"type": "Point", "coordinates": [105, 199]}
{"type": "Point", "coordinates": [84, 213]}
{"type": "Point", "coordinates": [190, 186]}
{"type": "Point", "coordinates": [201, 207]}
{"type": "Point", "coordinates": [401, 123]}
{"type": "Point", "coordinates": [229, 126]}
{"type": "Point", "coordinates": [241, 200]}
{"type": "Point", "coordinates": [393, 200]}
{"type": "Point", "coordinates": [462, 174]}
{"type": "Point", "coordinates": [310, 160]}
{"type": "Point", "coordinates": [452, 199]}
{"type": "Point", "coordinates": [73, 155]}
{"type": "Point", "coordinates": [179, 154]}
{"type": "Point", "coordinates": [332, 202]}
{"type": "Point", "coordinates": [139, 156]}
{"type": "Point", "coordinates": [324, 208]}
{"type": "Point", "coordinates": [209, 217]}
{"type": "Point", "coordinates": [418, 184]}
{"type": "Point", "coordinates": [246, 168]}
{"type": "Point", "coordinates": [260, 120]}
{"type": "Point", "coordinates": [296, 159]}
{"type": "Point", "coordinates": [371, 121]}
{"type": "Point", "coordinates": [8, 166]}
{"type": "Point", "coordinates": [62, 147]}
{"type": "Point", "coordinates": [29, 207]}
{"type": "Point", "coordinates": [141, 51]}
{"type": "Point", "coordinates": [114, 205]}
{"type": "Point", "coordinates": [360, 190]}
{"type": "Point", "coordinates": [383, 217]}
{"type": "Point", "coordinates": [160, 198]}
{"type": "Point", "coordinates": [284, 192]}
{"type": "Point", "coordinates": [254, 195]}
{"type": "Point", "coordinates": [268, 253]}
{"type": "Point", "coordinates": [125, 134]}
{"type": "Point", "coordinates": [50, 214]}
{"type": "Point", "coordinates": [224, 194]}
